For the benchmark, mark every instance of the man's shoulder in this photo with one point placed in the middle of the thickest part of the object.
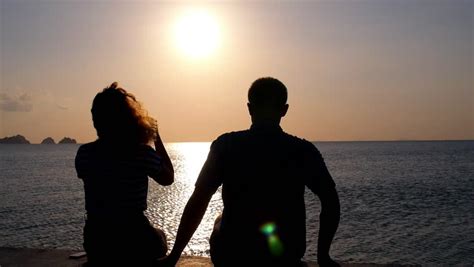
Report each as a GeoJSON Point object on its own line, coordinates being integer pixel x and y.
{"type": "Point", "coordinates": [299, 141]}
{"type": "Point", "coordinates": [229, 136]}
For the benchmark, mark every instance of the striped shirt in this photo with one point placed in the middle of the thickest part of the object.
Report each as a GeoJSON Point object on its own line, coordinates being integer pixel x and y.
{"type": "Point", "coordinates": [116, 177]}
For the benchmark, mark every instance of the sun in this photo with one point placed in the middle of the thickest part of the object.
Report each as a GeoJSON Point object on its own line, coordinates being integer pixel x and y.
{"type": "Point", "coordinates": [197, 33]}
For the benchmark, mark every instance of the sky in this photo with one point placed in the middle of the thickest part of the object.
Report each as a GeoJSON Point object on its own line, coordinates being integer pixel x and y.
{"type": "Point", "coordinates": [354, 69]}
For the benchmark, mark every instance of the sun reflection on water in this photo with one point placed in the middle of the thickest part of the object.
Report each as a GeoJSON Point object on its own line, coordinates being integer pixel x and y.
{"type": "Point", "coordinates": [166, 203]}
{"type": "Point", "coordinates": [188, 159]}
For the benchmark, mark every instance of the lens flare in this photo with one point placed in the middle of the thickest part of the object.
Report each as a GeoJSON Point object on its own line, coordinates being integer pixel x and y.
{"type": "Point", "coordinates": [268, 229]}
{"type": "Point", "coordinates": [274, 244]}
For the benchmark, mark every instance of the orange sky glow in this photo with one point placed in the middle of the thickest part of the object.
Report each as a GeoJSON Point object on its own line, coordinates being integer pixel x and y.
{"type": "Point", "coordinates": [355, 70]}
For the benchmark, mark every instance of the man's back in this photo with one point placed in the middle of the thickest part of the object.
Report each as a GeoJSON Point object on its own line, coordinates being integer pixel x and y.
{"type": "Point", "coordinates": [263, 172]}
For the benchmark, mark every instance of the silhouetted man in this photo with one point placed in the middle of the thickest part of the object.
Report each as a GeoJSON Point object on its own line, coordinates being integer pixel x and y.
{"type": "Point", "coordinates": [263, 172]}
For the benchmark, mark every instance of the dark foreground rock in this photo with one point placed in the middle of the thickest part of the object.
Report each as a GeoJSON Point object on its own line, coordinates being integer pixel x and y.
{"type": "Point", "coordinates": [27, 257]}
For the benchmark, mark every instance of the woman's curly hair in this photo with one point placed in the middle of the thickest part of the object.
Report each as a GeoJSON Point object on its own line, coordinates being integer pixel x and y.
{"type": "Point", "coordinates": [118, 116]}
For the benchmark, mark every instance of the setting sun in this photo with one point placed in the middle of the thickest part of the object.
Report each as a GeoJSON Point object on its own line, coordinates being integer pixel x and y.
{"type": "Point", "coordinates": [197, 33]}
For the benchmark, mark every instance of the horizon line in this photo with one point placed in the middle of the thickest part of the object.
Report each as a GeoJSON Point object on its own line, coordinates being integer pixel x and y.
{"type": "Point", "coordinates": [313, 141]}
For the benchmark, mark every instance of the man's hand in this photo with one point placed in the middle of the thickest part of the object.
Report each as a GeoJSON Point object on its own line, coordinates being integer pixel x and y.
{"type": "Point", "coordinates": [166, 261]}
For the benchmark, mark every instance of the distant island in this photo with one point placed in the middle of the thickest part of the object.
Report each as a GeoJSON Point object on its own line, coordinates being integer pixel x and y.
{"type": "Point", "coordinates": [67, 140]}
{"type": "Point", "coordinates": [17, 139]}
{"type": "Point", "coordinates": [20, 139]}
{"type": "Point", "coordinates": [48, 141]}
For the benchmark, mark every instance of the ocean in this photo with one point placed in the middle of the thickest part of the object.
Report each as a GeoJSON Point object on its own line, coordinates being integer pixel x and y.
{"type": "Point", "coordinates": [401, 202]}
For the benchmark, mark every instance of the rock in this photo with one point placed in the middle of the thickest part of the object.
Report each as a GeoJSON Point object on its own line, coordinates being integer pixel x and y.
{"type": "Point", "coordinates": [28, 257]}
{"type": "Point", "coordinates": [48, 141]}
{"type": "Point", "coordinates": [17, 139]}
{"type": "Point", "coordinates": [67, 140]}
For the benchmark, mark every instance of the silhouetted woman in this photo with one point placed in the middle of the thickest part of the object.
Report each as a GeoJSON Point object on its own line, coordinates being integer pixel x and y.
{"type": "Point", "coordinates": [115, 170]}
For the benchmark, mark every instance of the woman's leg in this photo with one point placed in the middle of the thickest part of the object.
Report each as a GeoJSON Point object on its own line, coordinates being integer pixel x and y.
{"type": "Point", "coordinates": [159, 243]}
{"type": "Point", "coordinates": [215, 243]}
{"type": "Point", "coordinates": [145, 244]}
{"type": "Point", "coordinates": [94, 245]}
{"type": "Point", "coordinates": [154, 241]}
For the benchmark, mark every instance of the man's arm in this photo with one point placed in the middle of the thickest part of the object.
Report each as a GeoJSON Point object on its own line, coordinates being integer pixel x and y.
{"type": "Point", "coordinates": [190, 220]}
{"type": "Point", "coordinates": [328, 224]}
{"type": "Point", "coordinates": [207, 184]}
{"type": "Point", "coordinates": [321, 183]}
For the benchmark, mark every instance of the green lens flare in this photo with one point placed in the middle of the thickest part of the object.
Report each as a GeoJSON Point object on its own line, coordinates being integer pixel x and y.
{"type": "Point", "coordinates": [274, 243]}
{"type": "Point", "coordinates": [276, 247]}
{"type": "Point", "coordinates": [268, 228]}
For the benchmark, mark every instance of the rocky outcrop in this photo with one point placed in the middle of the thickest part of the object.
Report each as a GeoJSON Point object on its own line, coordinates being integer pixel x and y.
{"type": "Point", "coordinates": [67, 140]}
{"type": "Point", "coordinates": [17, 139]}
{"type": "Point", "coordinates": [48, 141]}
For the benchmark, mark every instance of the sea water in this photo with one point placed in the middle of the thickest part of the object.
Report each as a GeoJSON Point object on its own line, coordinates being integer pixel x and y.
{"type": "Point", "coordinates": [401, 202]}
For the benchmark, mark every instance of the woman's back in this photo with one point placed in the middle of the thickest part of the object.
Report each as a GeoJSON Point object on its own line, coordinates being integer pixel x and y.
{"type": "Point", "coordinates": [116, 177]}
{"type": "Point", "coordinates": [115, 171]}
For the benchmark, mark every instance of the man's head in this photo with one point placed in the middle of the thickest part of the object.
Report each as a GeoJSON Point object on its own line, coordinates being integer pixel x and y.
{"type": "Point", "coordinates": [267, 100]}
